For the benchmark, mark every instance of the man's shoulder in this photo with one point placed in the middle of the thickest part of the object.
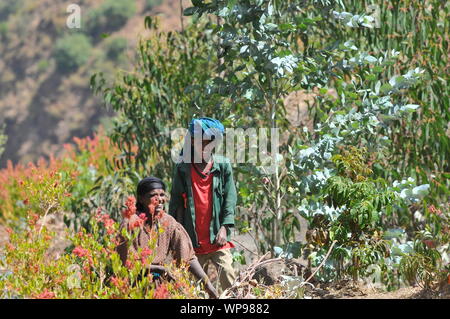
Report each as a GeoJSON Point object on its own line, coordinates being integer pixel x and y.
{"type": "Point", "coordinates": [182, 166]}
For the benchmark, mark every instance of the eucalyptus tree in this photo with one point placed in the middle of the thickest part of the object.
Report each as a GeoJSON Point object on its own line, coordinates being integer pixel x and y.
{"type": "Point", "coordinates": [271, 48]}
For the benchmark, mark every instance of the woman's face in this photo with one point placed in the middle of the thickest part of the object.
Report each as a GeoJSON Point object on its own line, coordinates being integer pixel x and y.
{"type": "Point", "coordinates": [157, 197]}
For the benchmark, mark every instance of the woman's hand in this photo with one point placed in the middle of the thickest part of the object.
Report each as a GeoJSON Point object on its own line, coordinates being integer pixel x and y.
{"type": "Point", "coordinates": [162, 271]}
{"type": "Point", "coordinates": [221, 238]}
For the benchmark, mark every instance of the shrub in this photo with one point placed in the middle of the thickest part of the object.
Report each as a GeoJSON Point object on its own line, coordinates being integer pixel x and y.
{"type": "Point", "coordinates": [110, 16]}
{"type": "Point", "coordinates": [3, 30]}
{"type": "Point", "coordinates": [3, 139]}
{"type": "Point", "coordinates": [43, 65]}
{"type": "Point", "coordinates": [9, 7]}
{"type": "Point", "coordinates": [150, 4]}
{"type": "Point", "coordinates": [51, 184]}
{"type": "Point", "coordinates": [115, 47]}
{"type": "Point", "coordinates": [72, 51]}
{"type": "Point", "coordinates": [89, 268]}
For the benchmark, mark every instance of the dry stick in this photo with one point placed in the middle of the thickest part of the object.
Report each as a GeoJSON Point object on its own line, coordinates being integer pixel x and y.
{"type": "Point", "coordinates": [243, 276]}
{"type": "Point", "coordinates": [45, 215]}
{"type": "Point", "coordinates": [321, 264]}
{"type": "Point", "coordinates": [248, 274]}
{"type": "Point", "coordinates": [258, 265]}
{"type": "Point", "coordinates": [181, 15]}
{"type": "Point", "coordinates": [244, 247]}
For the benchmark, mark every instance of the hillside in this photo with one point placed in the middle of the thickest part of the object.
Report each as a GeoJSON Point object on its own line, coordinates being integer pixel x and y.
{"type": "Point", "coordinates": [45, 67]}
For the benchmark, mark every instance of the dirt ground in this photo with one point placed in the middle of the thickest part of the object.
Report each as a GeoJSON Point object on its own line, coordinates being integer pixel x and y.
{"type": "Point", "coordinates": [348, 290]}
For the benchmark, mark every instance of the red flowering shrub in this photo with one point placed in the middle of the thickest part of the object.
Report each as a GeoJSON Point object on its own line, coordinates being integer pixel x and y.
{"type": "Point", "coordinates": [161, 292]}
{"type": "Point", "coordinates": [130, 209]}
{"type": "Point", "coordinates": [80, 252]}
{"type": "Point", "coordinates": [90, 269]}
{"type": "Point", "coordinates": [46, 295]}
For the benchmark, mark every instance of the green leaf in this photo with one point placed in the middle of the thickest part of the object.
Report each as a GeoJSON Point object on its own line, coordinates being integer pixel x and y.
{"type": "Point", "coordinates": [190, 11]}
{"type": "Point", "coordinates": [411, 108]}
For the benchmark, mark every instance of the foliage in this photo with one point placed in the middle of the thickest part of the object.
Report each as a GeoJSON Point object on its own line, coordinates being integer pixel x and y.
{"type": "Point", "coordinates": [43, 187]}
{"type": "Point", "coordinates": [429, 263]}
{"type": "Point", "coordinates": [60, 183]}
{"type": "Point", "coordinates": [115, 47]}
{"type": "Point", "coordinates": [424, 27]}
{"type": "Point", "coordinates": [159, 97]}
{"type": "Point", "coordinates": [359, 177]}
{"type": "Point", "coordinates": [263, 62]}
{"type": "Point", "coordinates": [72, 51]}
{"type": "Point", "coordinates": [260, 65]}
{"type": "Point", "coordinates": [150, 4]}
{"type": "Point", "coordinates": [8, 8]}
{"type": "Point", "coordinates": [93, 159]}
{"type": "Point", "coordinates": [109, 16]}
{"type": "Point", "coordinates": [90, 267]}
{"type": "Point", "coordinates": [3, 31]}
{"type": "Point", "coordinates": [355, 204]}
{"type": "Point", "coordinates": [3, 140]}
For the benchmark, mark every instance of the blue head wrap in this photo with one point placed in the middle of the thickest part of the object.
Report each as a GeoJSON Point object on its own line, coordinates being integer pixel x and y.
{"type": "Point", "coordinates": [209, 127]}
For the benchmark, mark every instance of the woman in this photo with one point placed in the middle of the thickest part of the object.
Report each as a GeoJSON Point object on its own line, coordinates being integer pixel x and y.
{"type": "Point", "coordinates": [173, 243]}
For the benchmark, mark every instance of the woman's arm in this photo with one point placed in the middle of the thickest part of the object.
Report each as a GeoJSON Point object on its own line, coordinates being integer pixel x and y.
{"type": "Point", "coordinates": [162, 271]}
{"type": "Point", "coordinates": [197, 271]}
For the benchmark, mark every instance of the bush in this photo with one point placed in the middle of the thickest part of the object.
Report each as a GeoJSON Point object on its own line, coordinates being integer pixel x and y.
{"type": "Point", "coordinates": [3, 30]}
{"type": "Point", "coordinates": [72, 51]}
{"type": "Point", "coordinates": [150, 4]}
{"type": "Point", "coordinates": [9, 7]}
{"type": "Point", "coordinates": [2, 141]}
{"type": "Point", "coordinates": [115, 47]}
{"type": "Point", "coordinates": [110, 16]}
{"type": "Point", "coordinates": [89, 268]}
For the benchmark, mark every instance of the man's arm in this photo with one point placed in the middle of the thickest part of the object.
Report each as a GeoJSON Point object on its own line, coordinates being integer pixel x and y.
{"type": "Point", "coordinates": [230, 197]}
{"type": "Point", "coordinates": [228, 207]}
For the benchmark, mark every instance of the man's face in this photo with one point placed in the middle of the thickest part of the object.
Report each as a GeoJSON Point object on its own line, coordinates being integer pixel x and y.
{"type": "Point", "coordinates": [156, 196]}
{"type": "Point", "coordinates": [200, 149]}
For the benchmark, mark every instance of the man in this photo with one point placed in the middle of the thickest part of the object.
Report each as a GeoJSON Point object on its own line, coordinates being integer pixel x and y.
{"type": "Point", "coordinates": [172, 244]}
{"type": "Point", "coordinates": [203, 197]}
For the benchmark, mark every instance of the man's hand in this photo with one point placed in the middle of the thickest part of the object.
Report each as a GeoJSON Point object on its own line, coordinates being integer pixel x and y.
{"type": "Point", "coordinates": [221, 238]}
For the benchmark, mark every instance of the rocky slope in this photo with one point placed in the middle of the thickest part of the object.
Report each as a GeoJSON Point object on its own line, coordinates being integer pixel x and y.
{"type": "Point", "coordinates": [44, 104]}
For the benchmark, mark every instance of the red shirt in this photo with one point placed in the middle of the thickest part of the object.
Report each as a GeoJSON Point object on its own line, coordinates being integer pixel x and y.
{"type": "Point", "coordinates": [202, 191]}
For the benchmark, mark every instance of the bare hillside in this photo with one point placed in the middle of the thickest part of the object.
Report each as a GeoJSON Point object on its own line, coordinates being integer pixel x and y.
{"type": "Point", "coordinates": [45, 67]}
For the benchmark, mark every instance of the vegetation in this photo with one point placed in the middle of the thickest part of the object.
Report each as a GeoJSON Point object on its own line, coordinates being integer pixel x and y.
{"type": "Point", "coordinates": [47, 100]}
{"type": "Point", "coordinates": [115, 47]}
{"type": "Point", "coordinates": [72, 51]}
{"type": "Point", "coordinates": [370, 177]}
{"type": "Point", "coordinates": [110, 16]}
{"type": "Point", "coordinates": [2, 141]}
{"type": "Point", "coordinates": [150, 4]}
{"type": "Point", "coordinates": [8, 8]}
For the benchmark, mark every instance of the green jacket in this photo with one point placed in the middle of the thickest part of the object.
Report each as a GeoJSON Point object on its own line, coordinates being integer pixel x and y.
{"type": "Point", "coordinates": [224, 197]}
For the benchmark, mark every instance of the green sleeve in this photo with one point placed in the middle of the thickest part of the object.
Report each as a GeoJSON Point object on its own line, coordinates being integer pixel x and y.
{"type": "Point", "coordinates": [176, 199]}
{"type": "Point", "coordinates": [230, 197]}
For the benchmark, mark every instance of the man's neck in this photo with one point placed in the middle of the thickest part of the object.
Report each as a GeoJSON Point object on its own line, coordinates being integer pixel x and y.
{"type": "Point", "coordinates": [204, 166]}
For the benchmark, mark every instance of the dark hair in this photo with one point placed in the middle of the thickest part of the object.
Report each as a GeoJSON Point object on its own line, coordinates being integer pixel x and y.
{"type": "Point", "coordinates": [146, 185]}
